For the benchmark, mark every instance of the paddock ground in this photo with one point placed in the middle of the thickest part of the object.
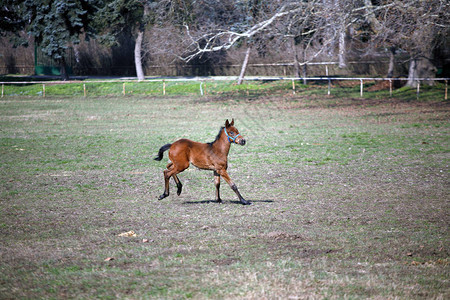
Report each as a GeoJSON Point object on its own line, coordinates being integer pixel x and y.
{"type": "Point", "coordinates": [350, 199]}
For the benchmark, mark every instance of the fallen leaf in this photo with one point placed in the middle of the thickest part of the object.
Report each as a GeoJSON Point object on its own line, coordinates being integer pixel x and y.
{"type": "Point", "coordinates": [109, 258]}
{"type": "Point", "coordinates": [130, 233]}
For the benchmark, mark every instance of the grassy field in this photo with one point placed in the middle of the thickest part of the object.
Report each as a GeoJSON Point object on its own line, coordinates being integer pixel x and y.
{"type": "Point", "coordinates": [211, 87]}
{"type": "Point", "coordinates": [350, 199]}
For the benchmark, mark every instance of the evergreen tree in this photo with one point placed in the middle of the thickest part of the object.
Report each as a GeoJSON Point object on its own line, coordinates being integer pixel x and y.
{"type": "Point", "coordinates": [57, 24]}
{"type": "Point", "coordinates": [11, 22]}
{"type": "Point", "coordinates": [10, 17]}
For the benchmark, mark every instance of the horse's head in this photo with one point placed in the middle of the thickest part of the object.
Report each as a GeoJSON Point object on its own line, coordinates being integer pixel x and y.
{"type": "Point", "coordinates": [233, 133]}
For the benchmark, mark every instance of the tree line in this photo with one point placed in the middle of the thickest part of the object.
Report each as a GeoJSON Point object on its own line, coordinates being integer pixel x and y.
{"type": "Point", "coordinates": [205, 31]}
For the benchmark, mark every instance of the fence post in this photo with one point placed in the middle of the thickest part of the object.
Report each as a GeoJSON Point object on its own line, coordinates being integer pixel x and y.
{"type": "Point", "coordinates": [201, 89]}
{"type": "Point", "coordinates": [361, 89]}
{"type": "Point", "coordinates": [293, 86]}
{"type": "Point", "coordinates": [446, 89]}
{"type": "Point", "coordinates": [418, 89]}
{"type": "Point", "coordinates": [329, 81]}
{"type": "Point", "coordinates": [164, 86]}
{"type": "Point", "coordinates": [390, 87]}
{"type": "Point", "coordinates": [84, 89]}
{"type": "Point", "coordinates": [123, 89]}
{"type": "Point", "coordinates": [3, 88]}
{"type": "Point", "coordinates": [43, 90]}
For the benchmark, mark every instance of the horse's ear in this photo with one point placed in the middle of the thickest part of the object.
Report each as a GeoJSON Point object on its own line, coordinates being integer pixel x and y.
{"type": "Point", "coordinates": [232, 122]}
{"type": "Point", "coordinates": [227, 124]}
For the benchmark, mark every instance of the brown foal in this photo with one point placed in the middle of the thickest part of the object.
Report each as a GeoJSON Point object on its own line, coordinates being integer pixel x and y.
{"type": "Point", "coordinates": [209, 156]}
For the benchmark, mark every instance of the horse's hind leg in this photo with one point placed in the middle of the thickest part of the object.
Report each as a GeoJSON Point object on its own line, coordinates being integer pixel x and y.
{"type": "Point", "coordinates": [178, 182]}
{"type": "Point", "coordinates": [166, 186]}
{"type": "Point", "coordinates": [173, 168]}
{"type": "Point", "coordinates": [167, 174]}
{"type": "Point", "coordinates": [172, 171]}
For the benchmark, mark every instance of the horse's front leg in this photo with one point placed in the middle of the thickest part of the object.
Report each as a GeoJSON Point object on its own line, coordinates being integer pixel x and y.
{"type": "Point", "coordinates": [217, 184]}
{"type": "Point", "coordinates": [233, 186]}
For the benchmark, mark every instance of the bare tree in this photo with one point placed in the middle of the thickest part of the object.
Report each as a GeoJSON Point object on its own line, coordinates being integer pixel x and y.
{"type": "Point", "coordinates": [322, 29]}
{"type": "Point", "coordinates": [414, 27]}
{"type": "Point", "coordinates": [224, 39]}
{"type": "Point", "coordinates": [317, 26]}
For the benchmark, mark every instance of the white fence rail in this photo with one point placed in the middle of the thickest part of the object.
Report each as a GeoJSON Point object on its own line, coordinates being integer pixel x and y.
{"type": "Point", "coordinates": [202, 80]}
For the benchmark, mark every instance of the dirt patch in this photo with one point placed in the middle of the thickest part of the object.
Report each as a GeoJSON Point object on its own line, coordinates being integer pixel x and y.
{"type": "Point", "coordinates": [379, 86]}
{"type": "Point", "coordinates": [345, 83]}
{"type": "Point", "coordinates": [383, 85]}
{"type": "Point", "coordinates": [282, 236]}
{"type": "Point", "coordinates": [280, 243]}
{"type": "Point", "coordinates": [225, 261]}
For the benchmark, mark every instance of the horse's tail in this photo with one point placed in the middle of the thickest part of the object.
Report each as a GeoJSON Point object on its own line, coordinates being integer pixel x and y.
{"type": "Point", "coordinates": [161, 151]}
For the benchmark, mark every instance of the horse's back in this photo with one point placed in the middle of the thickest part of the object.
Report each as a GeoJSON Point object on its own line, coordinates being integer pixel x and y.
{"type": "Point", "coordinates": [185, 151]}
{"type": "Point", "coordinates": [183, 148]}
{"type": "Point", "coordinates": [186, 143]}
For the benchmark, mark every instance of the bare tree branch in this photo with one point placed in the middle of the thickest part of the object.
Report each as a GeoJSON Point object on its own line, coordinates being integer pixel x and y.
{"type": "Point", "coordinates": [208, 42]}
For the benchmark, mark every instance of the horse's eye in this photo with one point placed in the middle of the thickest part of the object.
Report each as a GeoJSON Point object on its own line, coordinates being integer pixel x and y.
{"type": "Point", "coordinates": [232, 132]}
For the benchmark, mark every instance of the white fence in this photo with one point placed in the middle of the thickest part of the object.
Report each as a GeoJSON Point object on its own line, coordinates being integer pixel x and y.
{"type": "Point", "coordinates": [202, 80]}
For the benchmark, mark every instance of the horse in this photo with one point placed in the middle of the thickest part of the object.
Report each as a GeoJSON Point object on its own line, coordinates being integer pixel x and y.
{"type": "Point", "coordinates": [206, 156]}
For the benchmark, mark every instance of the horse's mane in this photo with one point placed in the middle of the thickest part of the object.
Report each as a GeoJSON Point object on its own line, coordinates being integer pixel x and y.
{"type": "Point", "coordinates": [217, 137]}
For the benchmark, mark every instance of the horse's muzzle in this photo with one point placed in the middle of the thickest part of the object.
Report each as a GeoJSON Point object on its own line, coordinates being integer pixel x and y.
{"type": "Point", "coordinates": [242, 142]}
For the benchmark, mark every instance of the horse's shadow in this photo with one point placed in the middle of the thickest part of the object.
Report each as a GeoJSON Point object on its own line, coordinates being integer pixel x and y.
{"type": "Point", "coordinates": [225, 202]}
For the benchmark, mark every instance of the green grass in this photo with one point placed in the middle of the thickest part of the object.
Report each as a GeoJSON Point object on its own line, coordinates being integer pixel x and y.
{"type": "Point", "coordinates": [248, 90]}
{"type": "Point", "coordinates": [350, 196]}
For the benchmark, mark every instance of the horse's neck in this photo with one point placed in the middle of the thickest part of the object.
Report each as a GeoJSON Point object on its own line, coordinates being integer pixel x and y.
{"type": "Point", "coordinates": [222, 145]}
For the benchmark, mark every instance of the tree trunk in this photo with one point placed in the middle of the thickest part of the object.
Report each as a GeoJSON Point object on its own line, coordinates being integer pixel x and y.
{"type": "Point", "coordinates": [244, 66]}
{"type": "Point", "coordinates": [63, 69]}
{"type": "Point", "coordinates": [304, 66]}
{"type": "Point", "coordinates": [138, 46]}
{"type": "Point", "coordinates": [138, 55]}
{"type": "Point", "coordinates": [391, 62]}
{"type": "Point", "coordinates": [412, 73]}
{"type": "Point", "coordinates": [341, 54]}
{"type": "Point", "coordinates": [420, 68]}
{"type": "Point", "coordinates": [371, 18]}
{"type": "Point", "coordinates": [296, 62]}
{"type": "Point", "coordinates": [297, 65]}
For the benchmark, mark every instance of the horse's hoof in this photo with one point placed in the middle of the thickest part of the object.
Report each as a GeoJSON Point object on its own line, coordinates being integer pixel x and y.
{"type": "Point", "coordinates": [246, 202]}
{"type": "Point", "coordinates": [162, 196]}
{"type": "Point", "coordinates": [219, 201]}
